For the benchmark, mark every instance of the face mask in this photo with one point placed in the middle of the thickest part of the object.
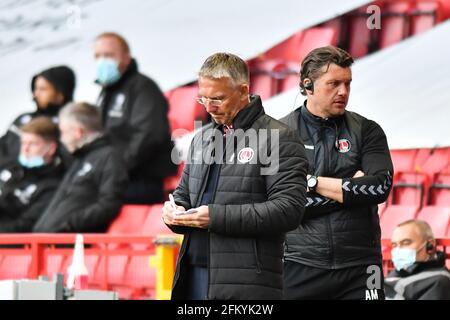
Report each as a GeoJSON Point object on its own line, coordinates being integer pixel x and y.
{"type": "Point", "coordinates": [107, 71]}
{"type": "Point", "coordinates": [403, 258]}
{"type": "Point", "coordinates": [32, 162]}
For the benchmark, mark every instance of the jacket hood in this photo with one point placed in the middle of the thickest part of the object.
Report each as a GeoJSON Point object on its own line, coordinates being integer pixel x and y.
{"type": "Point", "coordinates": [61, 77]}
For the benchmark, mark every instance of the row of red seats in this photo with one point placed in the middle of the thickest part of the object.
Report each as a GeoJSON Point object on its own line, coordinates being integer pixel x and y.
{"type": "Point", "coordinates": [399, 20]}
{"type": "Point", "coordinates": [277, 70]}
{"type": "Point", "coordinates": [131, 276]}
{"type": "Point", "coordinates": [437, 216]}
{"type": "Point", "coordinates": [422, 177]}
{"type": "Point", "coordinates": [184, 109]}
{"type": "Point", "coordinates": [421, 190]}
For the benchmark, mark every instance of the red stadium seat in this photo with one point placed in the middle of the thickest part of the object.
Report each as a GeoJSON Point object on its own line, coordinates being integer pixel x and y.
{"type": "Point", "coordinates": [154, 225]}
{"type": "Point", "coordinates": [439, 193]}
{"type": "Point", "coordinates": [403, 160]}
{"type": "Point", "coordinates": [438, 160]}
{"type": "Point", "coordinates": [425, 16]}
{"type": "Point", "coordinates": [393, 216]}
{"type": "Point", "coordinates": [339, 26]}
{"type": "Point", "coordinates": [263, 81]}
{"type": "Point", "coordinates": [437, 217]}
{"type": "Point", "coordinates": [394, 23]}
{"type": "Point", "coordinates": [410, 189]}
{"type": "Point", "coordinates": [141, 277]}
{"type": "Point", "coordinates": [184, 109]}
{"type": "Point", "coordinates": [444, 6]}
{"type": "Point", "coordinates": [289, 77]}
{"type": "Point", "coordinates": [420, 158]}
{"type": "Point", "coordinates": [300, 44]}
{"type": "Point", "coordinates": [14, 267]}
{"type": "Point", "coordinates": [287, 50]}
{"type": "Point", "coordinates": [361, 38]}
{"type": "Point", "coordinates": [130, 219]}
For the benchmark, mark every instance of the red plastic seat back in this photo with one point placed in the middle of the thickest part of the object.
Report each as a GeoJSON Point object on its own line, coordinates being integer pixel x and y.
{"type": "Point", "coordinates": [437, 217]}
{"type": "Point", "coordinates": [394, 23]}
{"type": "Point", "coordinates": [393, 216]}
{"type": "Point", "coordinates": [130, 219]}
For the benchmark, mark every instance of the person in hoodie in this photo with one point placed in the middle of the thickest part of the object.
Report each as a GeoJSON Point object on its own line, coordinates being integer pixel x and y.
{"type": "Point", "coordinates": [91, 192]}
{"type": "Point", "coordinates": [420, 272]}
{"type": "Point", "coordinates": [134, 114]}
{"type": "Point", "coordinates": [51, 89]}
{"type": "Point", "coordinates": [27, 184]}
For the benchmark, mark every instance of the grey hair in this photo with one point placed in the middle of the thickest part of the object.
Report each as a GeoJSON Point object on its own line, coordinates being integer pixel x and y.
{"type": "Point", "coordinates": [225, 65]}
{"type": "Point", "coordinates": [424, 227]}
{"type": "Point", "coordinates": [84, 114]}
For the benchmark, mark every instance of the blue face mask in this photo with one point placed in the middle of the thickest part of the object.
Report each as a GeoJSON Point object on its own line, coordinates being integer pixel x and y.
{"type": "Point", "coordinates": [107, 71]}
{"type": "Point", "coordinates": [403, 258]}
{"type": "Point", "coordinates": [32, 162]}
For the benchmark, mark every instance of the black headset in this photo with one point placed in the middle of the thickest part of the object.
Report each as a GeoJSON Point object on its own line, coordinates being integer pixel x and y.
{"type": "Point", "coordinates": [429, 246]}
{"type": "Point", "coordinates": [309, 85]}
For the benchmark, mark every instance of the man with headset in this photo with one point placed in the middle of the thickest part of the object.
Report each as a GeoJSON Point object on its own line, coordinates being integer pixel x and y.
{"type": "Point", "coordinates": [420, 272]}
{"type": "Point", "coordinates": [332, 253]}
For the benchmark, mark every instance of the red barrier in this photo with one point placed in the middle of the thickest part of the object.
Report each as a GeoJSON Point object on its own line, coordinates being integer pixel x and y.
{"type": "Point", "coordinates": [103, 247]}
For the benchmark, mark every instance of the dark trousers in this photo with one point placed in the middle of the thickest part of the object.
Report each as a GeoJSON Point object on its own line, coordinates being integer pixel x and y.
{"type": "Point", "coordinates": [197, 283]}
{"type": "Point", "coordinates": [144, 191]}
{"type": "Point", "coordinates": [304, 282]}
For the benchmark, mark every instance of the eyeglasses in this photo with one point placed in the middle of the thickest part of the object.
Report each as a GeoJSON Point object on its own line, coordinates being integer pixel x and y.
{"type": "Point", "coordinates": [214, 102]}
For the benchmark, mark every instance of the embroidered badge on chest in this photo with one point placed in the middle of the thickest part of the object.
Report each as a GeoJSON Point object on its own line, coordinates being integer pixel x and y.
{"type": "Point", "coordinates": [117, 109]}
{"type": "Point", "coordinates": [344, 145]}
{"type": "Point", "coordinates": [87, 167]}
{"type": "Point", "coordinates": [246, 155]}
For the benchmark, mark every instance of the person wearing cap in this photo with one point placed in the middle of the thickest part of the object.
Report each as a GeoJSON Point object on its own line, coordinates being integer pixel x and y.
{"type": "Point", "coordinates": [51, 88]}
{"type": "Point", "coordinates": [27, 184]}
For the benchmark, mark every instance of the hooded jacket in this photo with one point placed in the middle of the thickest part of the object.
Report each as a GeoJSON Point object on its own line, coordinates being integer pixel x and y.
{"type": "Point", "coordinates": [63, 79]}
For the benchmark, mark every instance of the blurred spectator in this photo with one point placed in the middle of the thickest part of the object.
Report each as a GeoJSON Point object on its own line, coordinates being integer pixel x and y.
{"type": "Point", "coordinates": [28, 183]}
{"type": "Point", "coordinates": [91, 193]}
{"type": "Point", "coordinates": [134, 113]}
{"type": "Point", "coordinates": [420, 272]}
{"type": "Point", "coordinates": [51, 89]}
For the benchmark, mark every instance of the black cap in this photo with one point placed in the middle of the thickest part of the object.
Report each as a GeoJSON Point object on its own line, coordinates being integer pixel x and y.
{"type": "Point", "coordinates": [62, 78]}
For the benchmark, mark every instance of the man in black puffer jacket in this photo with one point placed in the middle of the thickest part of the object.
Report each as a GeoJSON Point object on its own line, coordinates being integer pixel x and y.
{"type": "Point", "coordinates": [91, 193]}
{"type": "Point", "coordinates": [350, 173]}
{"type": "Point", "coordinates": [246, 197]}
{"type": "Point", "coordinates": [134, 115]}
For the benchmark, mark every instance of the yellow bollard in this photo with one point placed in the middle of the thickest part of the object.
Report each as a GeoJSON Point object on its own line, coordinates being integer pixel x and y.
{"type": "Point", "coordinates": [164, 261]}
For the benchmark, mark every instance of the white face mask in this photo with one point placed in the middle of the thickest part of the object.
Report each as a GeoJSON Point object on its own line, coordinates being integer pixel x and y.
{"type": "Point", "coordinates": [33, 161]}
{"type": "Point", "coordinates": [403, 258]}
